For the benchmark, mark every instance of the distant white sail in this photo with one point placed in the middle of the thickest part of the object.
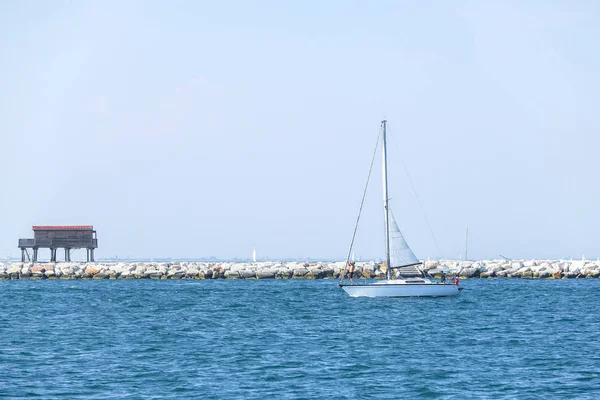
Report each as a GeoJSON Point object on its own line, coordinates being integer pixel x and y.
{"type": "Point", "coordinates": [400, 253]}
{"type": "Point", "coordinates": [254, 255]}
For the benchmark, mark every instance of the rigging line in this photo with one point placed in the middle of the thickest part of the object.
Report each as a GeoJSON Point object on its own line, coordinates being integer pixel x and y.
{"type": "Point", "coordinates": [416, 195]}
{"type": "Point", "coordinates": [361, 206]}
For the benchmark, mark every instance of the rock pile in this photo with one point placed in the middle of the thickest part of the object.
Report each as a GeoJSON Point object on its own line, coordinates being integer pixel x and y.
{"type": "Point", "coordinates": [547, 269]}
{"type": "Point", "coordinates": [542, 269]}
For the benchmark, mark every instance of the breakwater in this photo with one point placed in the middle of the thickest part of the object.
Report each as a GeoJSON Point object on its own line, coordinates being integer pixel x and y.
{"type": "Point", "coordinates": [535, 269]}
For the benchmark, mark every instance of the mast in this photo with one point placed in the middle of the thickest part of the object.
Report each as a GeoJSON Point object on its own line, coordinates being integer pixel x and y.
{"type": "Point", "coordinates": [467, 245]}
{"type": "Point", "coordinates": [385, 203]}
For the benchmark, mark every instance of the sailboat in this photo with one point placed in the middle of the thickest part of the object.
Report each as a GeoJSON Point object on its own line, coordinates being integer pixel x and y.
{"type": "Point", "coordinates": [398, 256]}
{"type": "Point", "coordinates": [254, 255]}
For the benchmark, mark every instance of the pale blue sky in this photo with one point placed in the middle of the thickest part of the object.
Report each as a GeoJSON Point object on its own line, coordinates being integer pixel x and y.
{"type": "Point", "coordinates": [189, 129]}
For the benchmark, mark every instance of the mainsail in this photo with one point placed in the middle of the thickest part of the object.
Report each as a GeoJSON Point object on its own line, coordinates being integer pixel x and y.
{"type": "Point", "coordinates": [400, 254]}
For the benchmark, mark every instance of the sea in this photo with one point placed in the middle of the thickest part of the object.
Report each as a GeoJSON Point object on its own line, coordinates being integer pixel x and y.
{"type": "Point", "coordinates": [297, 339]}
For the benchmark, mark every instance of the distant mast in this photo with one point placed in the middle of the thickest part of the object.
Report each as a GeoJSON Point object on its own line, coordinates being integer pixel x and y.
{"type": "Point", "coordinates": [254, 254]}
{"type": "Point", "coordinates": [467, 245]}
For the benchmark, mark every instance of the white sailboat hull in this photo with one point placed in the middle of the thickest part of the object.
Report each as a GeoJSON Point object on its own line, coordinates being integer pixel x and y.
{"type": "Point", "coordinates": [385, 289]}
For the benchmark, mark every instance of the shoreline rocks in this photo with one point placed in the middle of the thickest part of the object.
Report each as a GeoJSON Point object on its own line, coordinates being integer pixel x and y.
{"type": "Point", "coordinates": [524, 269]}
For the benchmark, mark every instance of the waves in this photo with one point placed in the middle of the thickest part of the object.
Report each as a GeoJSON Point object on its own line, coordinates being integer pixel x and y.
{"type": "Point", "coordinates": [296, 339]}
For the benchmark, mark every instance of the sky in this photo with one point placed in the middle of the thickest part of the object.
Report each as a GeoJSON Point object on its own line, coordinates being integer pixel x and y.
{"type": "Point", "coordinates": [191, 129]}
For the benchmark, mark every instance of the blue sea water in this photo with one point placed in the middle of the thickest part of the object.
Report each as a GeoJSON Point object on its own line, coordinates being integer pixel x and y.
{"type": "Point", "coordinates": [276, 339]}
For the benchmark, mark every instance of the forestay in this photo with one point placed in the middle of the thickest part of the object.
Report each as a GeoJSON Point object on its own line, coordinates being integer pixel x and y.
{"type": "Point", "coordinates": [400, 254]}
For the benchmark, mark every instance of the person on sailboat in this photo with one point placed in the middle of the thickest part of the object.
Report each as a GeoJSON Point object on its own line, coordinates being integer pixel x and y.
{"type": "Point", "coordinates": [351, 265]}
{"type": "Point", "coordinates": [456, 280]}
{"type": "Point", "coordinates": [443, 278]}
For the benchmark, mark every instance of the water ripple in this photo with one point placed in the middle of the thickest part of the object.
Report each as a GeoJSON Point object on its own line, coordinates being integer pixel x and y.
{"type": "Point", "coordinates": [296, 340]}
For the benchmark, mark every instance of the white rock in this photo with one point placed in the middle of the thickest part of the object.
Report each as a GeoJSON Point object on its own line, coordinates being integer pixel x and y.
{"type": "Point", "coordinates": [516, 265]}
{"type": "Point", "coordinates": [231, 274]}
{"type": "Point", "coordinates": [265, 273]}
{"type": "Point", "coordinates": [14, 269]}
{"type": "Point", "coordinates": [192, 272]}
{"type": "Point", "coordinates": [247, 274]}
{"type": "Point", "coordinates": [300, 271]}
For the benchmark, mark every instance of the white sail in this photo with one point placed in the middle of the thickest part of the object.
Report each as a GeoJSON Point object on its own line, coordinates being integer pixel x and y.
{"type": "Point", "coordinates": [400, 253]}
{"type": "Point", "coordinates": [254, 255]}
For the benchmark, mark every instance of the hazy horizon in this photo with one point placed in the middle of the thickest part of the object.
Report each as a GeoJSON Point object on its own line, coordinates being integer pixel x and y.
{"type": "Point", "coordinates": [198, 129]}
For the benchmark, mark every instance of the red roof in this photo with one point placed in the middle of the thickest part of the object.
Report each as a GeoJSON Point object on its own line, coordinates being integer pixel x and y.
{"type": "Point", "coordinates": [63, 227]}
